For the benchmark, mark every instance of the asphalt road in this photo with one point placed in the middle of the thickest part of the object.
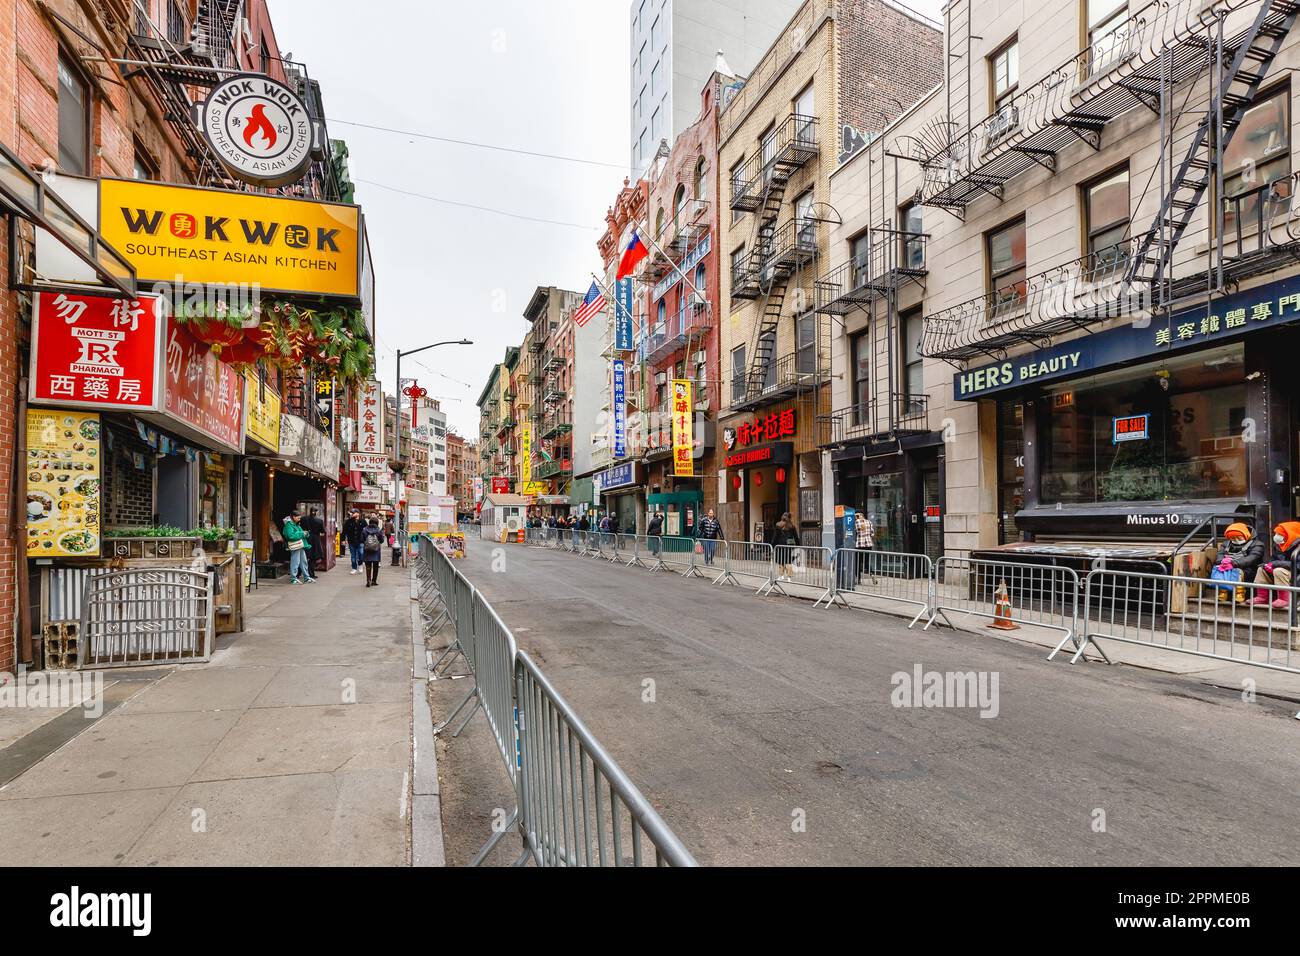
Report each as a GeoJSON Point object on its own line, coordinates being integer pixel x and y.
{"type": "Point", "coordinates": [768, 714]}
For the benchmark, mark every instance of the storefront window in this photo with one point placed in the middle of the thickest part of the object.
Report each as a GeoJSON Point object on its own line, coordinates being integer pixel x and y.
{"type": "Point", "coordinates": [1165, 431]}
{"type": "Point", "coordinates": [1011, 469]}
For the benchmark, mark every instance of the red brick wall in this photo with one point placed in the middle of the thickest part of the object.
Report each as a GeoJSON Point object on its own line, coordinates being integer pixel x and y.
{"type": "Point", "coordinates": [888, 61]}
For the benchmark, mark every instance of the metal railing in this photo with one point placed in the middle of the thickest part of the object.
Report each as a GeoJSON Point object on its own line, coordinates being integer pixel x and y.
{"type": "Point", "coordinates": [873, 575]}
{"type": "Point", "coordinates": [791, 144]}
{"type": "Point", "coordinates": [574, 805]}
{"type": "Point", "coordinates": [900, 412]}
{"type": "Point", "coordinates": [793, 372]}
{"type": "Point", "coordinates": [140, 616]}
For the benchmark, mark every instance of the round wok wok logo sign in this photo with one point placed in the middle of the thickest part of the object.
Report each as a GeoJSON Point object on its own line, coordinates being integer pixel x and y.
{"type": "Point", "coordinates": [259, 128]}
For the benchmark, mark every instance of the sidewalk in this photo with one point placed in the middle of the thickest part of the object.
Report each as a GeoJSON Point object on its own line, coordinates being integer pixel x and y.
{"type": "Point", "coordinates": [291, 747]}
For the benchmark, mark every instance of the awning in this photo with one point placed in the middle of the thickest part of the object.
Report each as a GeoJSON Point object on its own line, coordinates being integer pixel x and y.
{"type": "Point", "coordinates": [25, 194]}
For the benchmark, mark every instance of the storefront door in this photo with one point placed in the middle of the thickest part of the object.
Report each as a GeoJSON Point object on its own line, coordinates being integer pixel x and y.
{"type": "Point", "coordinates": [931, 513]}
{"type": "Point", "coordinates": [886, 506]}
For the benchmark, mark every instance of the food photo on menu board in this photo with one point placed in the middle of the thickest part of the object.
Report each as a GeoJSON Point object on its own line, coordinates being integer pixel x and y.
{"type": "Point", "coordinates": [63, 487]}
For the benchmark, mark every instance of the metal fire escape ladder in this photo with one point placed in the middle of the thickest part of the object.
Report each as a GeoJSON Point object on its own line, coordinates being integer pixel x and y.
{"type": "Point", "coordinates": [773, 285]}
{"type": "Point", "coordinates": [1232, 90]}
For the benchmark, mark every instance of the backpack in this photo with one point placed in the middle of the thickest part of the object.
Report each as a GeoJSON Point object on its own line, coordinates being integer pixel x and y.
{"type": "Point", "coordinates": [370, 540]}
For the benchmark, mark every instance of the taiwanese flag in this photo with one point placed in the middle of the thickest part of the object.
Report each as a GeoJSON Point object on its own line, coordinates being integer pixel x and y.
{"type": "Point", "coordinates": [634, 253]}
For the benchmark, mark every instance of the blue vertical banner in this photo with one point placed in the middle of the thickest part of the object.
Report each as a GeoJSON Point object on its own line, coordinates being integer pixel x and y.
{"type": "Point", "coordinates": [623, 315]}
{"type": "Point", "coordinates": [620, 410]}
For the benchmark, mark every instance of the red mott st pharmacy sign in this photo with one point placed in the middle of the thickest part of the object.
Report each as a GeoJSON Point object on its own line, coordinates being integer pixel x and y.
{"type": "Point", "coordinates": [95, 351]}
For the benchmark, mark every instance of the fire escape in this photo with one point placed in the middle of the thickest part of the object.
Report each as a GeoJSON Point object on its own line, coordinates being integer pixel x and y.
{"type": "Point", "coordinates": [1155, 60]}
{"type": "Point", "coordinates": [893, 260]}
{"type": "Point", "coordinates": [775, 252]}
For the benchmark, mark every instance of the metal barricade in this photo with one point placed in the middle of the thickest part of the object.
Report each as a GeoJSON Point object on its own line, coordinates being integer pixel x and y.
{"type": "Point", "coordinates": [747, 559]}
{"type": "Point", "coordinates": [578, 806]}
{"type": "Point", "coordinates": [1009, 592]}
{"type": "Point", "coordinates": [616, 545]}
{"type": "Point", "coordinates": [677, 554]}
{"type": "Point", "coordinates": [803, 571]}
{"type": "Point", "coordinates": [895, 576]}
{"type": "Point", "coordinates": [139, 616]}
{"type": "Point", "coordinates": [1214, 619]}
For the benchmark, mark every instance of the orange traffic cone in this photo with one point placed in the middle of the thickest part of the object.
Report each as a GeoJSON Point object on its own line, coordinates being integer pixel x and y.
{"type": "Point", "coordinates": [1002, 610]}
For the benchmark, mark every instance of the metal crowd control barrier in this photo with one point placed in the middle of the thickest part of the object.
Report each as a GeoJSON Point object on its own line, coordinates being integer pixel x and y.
{"type": "Point", "coordinates": [747, 559]}
{"type": "Point", "coordinates": [139, 616]}
{"type": "Point", "coordinates": [897, 576]}
{"type": "Point", "coordinates": [803, 571]}
{"type": "Point", "coordinates": [1037, 594]}
{"type": "Point", "coordinates": [574, 804]}
{"type": "Point", "coordinates": [1192, 616]}
{"type": "Point", "coordinates": [579, 808]}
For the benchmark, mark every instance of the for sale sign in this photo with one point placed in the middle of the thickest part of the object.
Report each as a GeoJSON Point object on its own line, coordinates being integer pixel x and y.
{"type": "Point", "coordinates": [95, 351]}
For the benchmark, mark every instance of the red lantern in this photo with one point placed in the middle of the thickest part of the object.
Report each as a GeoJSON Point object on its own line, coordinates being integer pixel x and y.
{"type": "Point", "coordinates": [758, 477]}
{"type": "Point", "coordinates": [780, 476]}
{"type": "Point", "coordinates": [735, 481]}
{"type": "Point", "coordinates": [217, 334]}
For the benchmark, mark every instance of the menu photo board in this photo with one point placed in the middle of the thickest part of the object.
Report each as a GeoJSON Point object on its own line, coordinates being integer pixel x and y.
{"type": "Point", "coordinates": [63, 483]}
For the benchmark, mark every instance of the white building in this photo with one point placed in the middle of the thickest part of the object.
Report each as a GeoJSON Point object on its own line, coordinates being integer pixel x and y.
{"type": "Point", "coordinates": [675, 45]}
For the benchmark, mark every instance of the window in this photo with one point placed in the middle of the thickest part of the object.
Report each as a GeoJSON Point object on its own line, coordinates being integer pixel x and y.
{"type": "Point", "coordinates": [860, 349]}
{"type": "Point", "coordinates": [176, 30]}
{"type": "Point", "coordinates": [737, 265]}
{"type": "Point", "coordinates": [264, 54]}
{"type": "Point", "coordinates": [737, 176]}
{"type": "Point", "coordinates": [1193, 450]}
{"type": "Point", "coordinates": [860, 255]}
{"type": "Point", "coordinates": [699, 178]}
{"type": "Point", "coordinates": [1004, 75]}
{"type": "Point", "coordinates": [661, 318]}
{"type": "Point", "coordinates": [679, 206]}
{"type": "Point", "coordinates": [806, 109]}
{"type": "Point", "coordinates": [1108, 40]}
{"type": "Point", "coordinates": [700, 283]}
{"type": "Point", "coordinates": [1257, 156]}
{"type": "Point", "coordinates": [144, 167]}
{"type": "Point", "coordinates": [1006, 259]}
{"type": "Point", "coordinates": [701, 374]}
{"type": "Point", "coordinates": [738, 374]}
{"type": "Point", "coordinates": [1106, 223]}
{"type": "Point", "coordinates": [913, 378]}
{"type": "Point", "coordinates": [805, 344]}
{"type": "Point", "coordinates": [74, 117]}
{"type": "Point", "coordinates": [767, 150]}
{"type": "Point", "coordinates": [659, 224]}
{"type": "Point", "coordinates": [912, 244]}
{"type": "Point", "coordinates": [805, 226]}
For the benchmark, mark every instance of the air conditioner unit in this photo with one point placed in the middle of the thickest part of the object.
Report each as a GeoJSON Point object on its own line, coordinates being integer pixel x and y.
{"type": "Point", "coordinates": [696, 301]}
{"type": "Point", "coordinates": [699, 209]}
{"type": "Point", "coordinates": [1007, 119]}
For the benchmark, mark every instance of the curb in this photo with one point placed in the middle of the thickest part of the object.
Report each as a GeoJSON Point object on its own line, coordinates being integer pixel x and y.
{"type": "Point", "coordinates": [426, 805]}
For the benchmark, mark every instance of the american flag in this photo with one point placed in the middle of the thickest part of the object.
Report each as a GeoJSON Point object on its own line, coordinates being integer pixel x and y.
{"type": "Point", "coordinates": [592, 302]}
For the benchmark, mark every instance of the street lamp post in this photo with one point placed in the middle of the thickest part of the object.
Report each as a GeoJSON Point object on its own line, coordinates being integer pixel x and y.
{"type": "Point", "coordinates": [397, 435]}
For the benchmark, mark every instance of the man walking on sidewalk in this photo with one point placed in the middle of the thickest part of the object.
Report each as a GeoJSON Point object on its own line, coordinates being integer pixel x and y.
{"type": "Point", "coordinates": [352, 529]}
{"type": "Point", "coordinates": [709, 531]}
{"type": "Point", "coordinates": [372, 549]}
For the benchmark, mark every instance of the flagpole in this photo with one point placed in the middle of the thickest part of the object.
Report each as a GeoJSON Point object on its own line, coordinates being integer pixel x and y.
{"type": "Point", "coordinates": [707, 304]}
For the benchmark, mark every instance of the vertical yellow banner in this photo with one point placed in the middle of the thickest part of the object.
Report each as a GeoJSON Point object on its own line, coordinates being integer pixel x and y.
{"type": "Point", "coordinates": [525, 454]}
{"type": "Point", "coordinates": [683, 438]}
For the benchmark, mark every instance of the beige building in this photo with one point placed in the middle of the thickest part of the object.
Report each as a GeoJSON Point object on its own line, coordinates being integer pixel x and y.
{"type": "Point", "coordinates": [834, 75]}
{"type": "Point", "coordinates": [1069, 276]}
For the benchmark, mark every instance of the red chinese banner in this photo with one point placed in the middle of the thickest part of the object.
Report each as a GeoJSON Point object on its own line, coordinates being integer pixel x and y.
{"type": "Point", "coordinates": [201, 390]}
{"type": "Point", "coordinates": [95, 351]}
{"type": "Point", "coordinates": [772, 427]}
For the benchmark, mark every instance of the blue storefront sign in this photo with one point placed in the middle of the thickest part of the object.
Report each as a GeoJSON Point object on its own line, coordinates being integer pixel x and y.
{"type": "Point", "coordinates": [620, 410]}
{"type": "Point", "coordinates": [683, 268]}
{"type": "Point", "coordinates": [616, 477]}
{"type": "Point", "coordinates": [1218, 321]}
{"type": "Point", "coordinates": [623, 315]}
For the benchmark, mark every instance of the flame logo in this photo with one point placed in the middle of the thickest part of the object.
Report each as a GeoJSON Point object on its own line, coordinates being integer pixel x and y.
{"type": "Point", "coordinates": [258, 123]}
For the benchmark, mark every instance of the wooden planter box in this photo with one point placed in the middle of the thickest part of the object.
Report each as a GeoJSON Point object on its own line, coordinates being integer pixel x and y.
{"type": "Point", "coordinates": [150, 547]}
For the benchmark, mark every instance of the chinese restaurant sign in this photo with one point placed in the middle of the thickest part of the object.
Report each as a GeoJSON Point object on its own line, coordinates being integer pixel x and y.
{"type": "Point", "coordinates": [683, 441]}
{"type": "Point", "coordinates": [771, 427]}
{"type": "Point", "coordinates": [371, 437]}
{"type": "Point", "coordinates": [95, 352]}
{"type": "Point", "coordinates": [325, 406]}
{"type": "Point", "coordinates": [212, 236]}
{"type": "Point", "coordinates": [500, 486]}
{"type": "Point", "coordinates": [63, 501]}
{"type": "Point", "coordinates": [263, 415]}
{"type": "Point", "coordinates": [367, 463]}
{"type": "Point", "coordinates": [201, 390]}
{"type": "Point", "coordinates": [1220, 320]}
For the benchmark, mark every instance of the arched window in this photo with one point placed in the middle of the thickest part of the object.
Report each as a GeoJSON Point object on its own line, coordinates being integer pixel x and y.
{"type": "Point", "coordinates": [662, 317]}
{"type": "Point", "coordinates": [679, 203]}
{"type": "Point", "coordinates": [699, 178]}
{"type": "Point", "coordinates": [699, 279]}
{"type": "Point", "coordinates": [659, 224]}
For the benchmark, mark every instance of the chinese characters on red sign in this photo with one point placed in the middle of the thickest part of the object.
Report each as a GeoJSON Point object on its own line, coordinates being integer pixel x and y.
{"type": "Point", "coordinates": [371, 432]}
{"type": "Point", "coordinates": [95, 351]}
{"type": "Point", "coordinates": [201, 390]}
{"type": "Point", "coordinates": [775, 426]}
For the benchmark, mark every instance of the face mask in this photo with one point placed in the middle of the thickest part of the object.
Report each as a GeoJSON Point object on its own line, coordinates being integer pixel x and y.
{"type": "Point", "coordinates": [1278, 539]}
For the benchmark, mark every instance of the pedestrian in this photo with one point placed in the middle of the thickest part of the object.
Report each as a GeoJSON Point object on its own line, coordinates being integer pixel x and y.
{"type": "Point", "coordinates": [315, 529]}
{"type": "Point", "coordinates": [390, 533]}
{"type": "Point", "coordinates": [654, 531]}
{"type": "Point", "coordinates": [372, 549]}
{"type": "Point", "coordinates": [864, 539]}
{"type": "Point", "coordinates": [295, 539]}
{"type": "Point", "coordinates": [785, 538]}
{"type": "Point", "coordinates": [709, 531]}
{"type": "Point", "coordinates": [352, 529]}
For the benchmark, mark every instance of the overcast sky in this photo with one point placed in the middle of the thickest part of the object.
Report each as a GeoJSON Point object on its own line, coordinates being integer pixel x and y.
{"type": "Point", "coordinates": [548, 76]}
